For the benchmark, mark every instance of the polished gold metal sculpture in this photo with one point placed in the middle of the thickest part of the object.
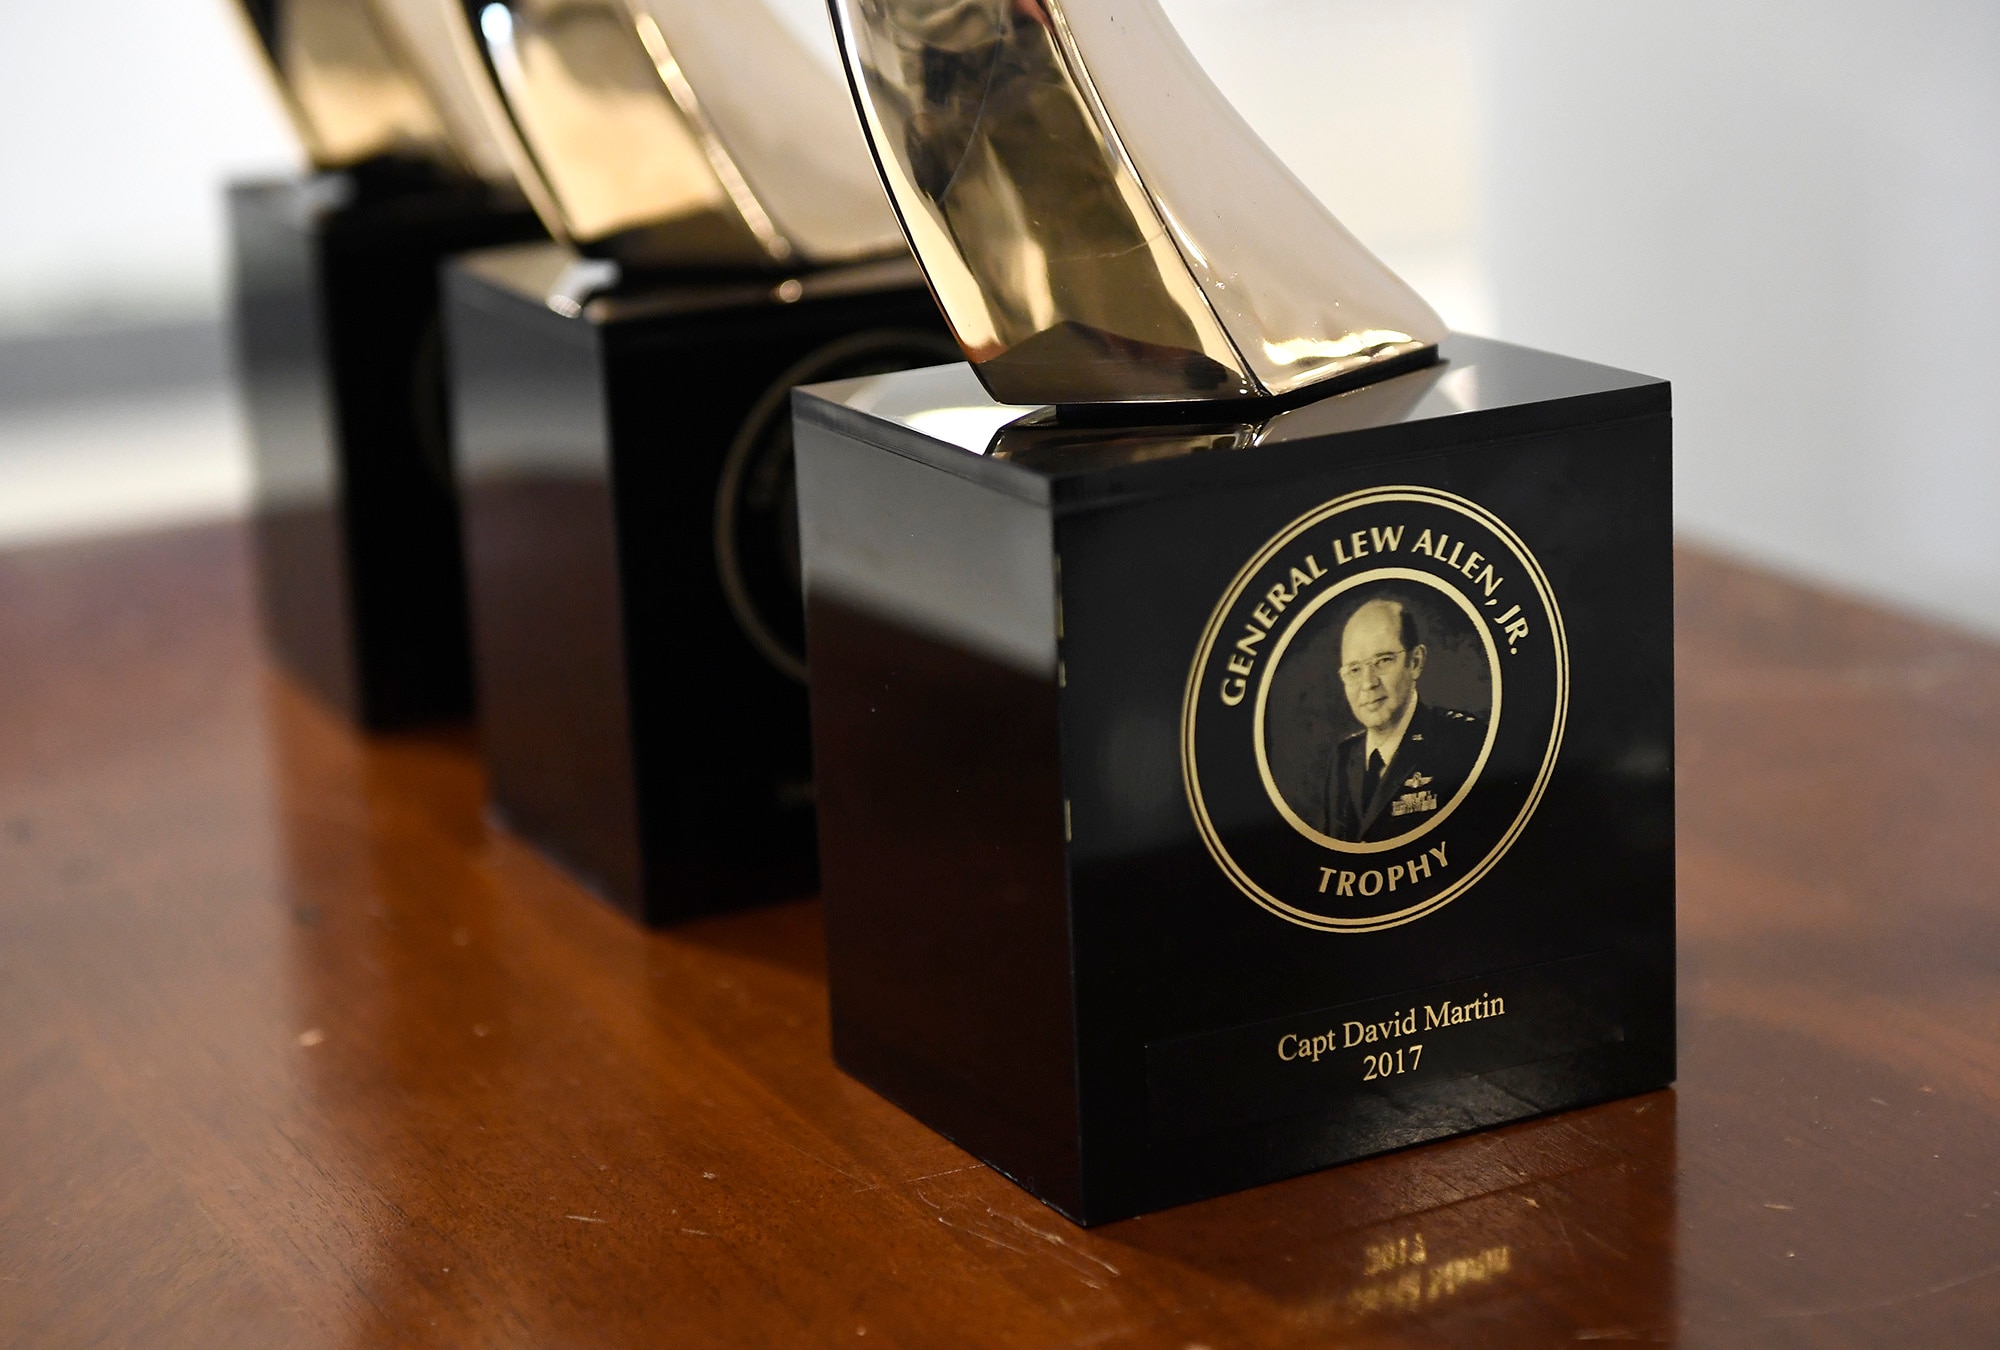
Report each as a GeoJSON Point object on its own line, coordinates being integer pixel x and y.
{"type": "Point", "coordinates": [428, 37]}
{"type": "Point", "coordinates": [679, 133]}
{"type": "Point", "coordinates": [348, 91]}
{"type": "Point", "coordinates": [1099, 224]}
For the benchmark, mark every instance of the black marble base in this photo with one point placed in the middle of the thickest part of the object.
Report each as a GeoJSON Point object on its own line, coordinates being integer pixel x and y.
{"type": "Point", "coordinates": [1112, 897]}
{"type": "Point", "coordinates": [631, 546]}
{"type": "Point", "coordinates": [338, 353]}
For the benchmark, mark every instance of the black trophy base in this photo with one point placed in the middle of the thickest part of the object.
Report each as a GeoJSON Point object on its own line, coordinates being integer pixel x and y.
{"type": "Point", "coordinates": [356, 528]}
{"type": "Point", "coordinates": [631, 548]}
{"type": "Point", "coordinates": [1205, 804]}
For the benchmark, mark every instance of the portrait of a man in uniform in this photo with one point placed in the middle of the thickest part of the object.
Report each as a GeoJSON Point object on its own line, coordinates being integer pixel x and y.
{"type": "Point", "coordinates": [1410, 757]}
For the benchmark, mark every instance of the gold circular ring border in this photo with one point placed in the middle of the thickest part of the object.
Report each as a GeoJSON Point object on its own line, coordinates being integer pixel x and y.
{"type": "Point", "coordinates": [1278, 650]}
{"type": "Point", "coordinates": [1191, 702]}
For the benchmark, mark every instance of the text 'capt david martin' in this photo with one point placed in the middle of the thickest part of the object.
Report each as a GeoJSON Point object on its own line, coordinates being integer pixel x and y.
{"type": "Point", "coordinates": [1422, 1017]}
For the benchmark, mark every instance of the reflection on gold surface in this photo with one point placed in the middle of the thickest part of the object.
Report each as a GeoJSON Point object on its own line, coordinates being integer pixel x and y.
{"type": "Point", "coordinates": [427, 37]}
{"type": "Point", "coordinates": [950, 404]}
{"type": "Point", "coordinates": [675, 133]}
{"type": "Point", "coordinates": [1098, 223]}
{"type": "Point", "coordinates": [350, 96]}
{"type": "Point", "coordinates": [615, 155]}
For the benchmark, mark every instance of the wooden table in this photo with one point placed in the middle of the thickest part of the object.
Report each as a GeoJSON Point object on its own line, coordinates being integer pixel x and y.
{"type": "Point", "coordinates": [296, 1051]}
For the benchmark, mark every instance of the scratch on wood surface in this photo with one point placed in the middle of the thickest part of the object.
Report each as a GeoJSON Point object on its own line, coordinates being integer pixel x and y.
{"type": "Point", "coordinates": [585, 1218]}
{"type": "Point", "coordinates": [988, 1229]}
{"type": "Point", "coordinates": [1895, 1300]}
{"type": "Point", "coordinates": [979, 1230]}
{"type": "Point", "coordinates": [1056, 1238]}
{"type": "Point", "coordinates": [948, 1172]}
{"type": "Point", "coordinates": [1563, 1230]}
{"type": "Point", "coordinates": [862, 1183]}
{"type": "Point", "coordinates": [1050, 1244]}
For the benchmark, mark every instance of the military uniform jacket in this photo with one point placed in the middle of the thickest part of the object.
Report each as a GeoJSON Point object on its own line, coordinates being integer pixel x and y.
{"type": "Point", "coordinates": [1438, 751]}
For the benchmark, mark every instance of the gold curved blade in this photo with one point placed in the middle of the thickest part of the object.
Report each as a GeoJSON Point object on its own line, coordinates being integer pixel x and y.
{"type": "Point", "coordinates": [618, 163]}
{"type": "Point", "coordinates": [349, 94]}
{"type": "Point", "coordinates": [1098, 223]}
{"type": "Point", "coordinates": [680, 133]}
{"type": "Point", "coordinates": [782, 117]}
{"type": "Point", "coordinates": [429, 38]}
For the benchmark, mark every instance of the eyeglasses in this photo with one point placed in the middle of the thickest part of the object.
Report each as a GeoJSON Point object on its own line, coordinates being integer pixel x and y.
{"type": "Point", "coordinates": [1355, 671]}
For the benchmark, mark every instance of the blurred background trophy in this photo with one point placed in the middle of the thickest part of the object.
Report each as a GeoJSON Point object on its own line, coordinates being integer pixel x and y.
{"type": "Point", "coordinates": [340, 356]}
{"type": "Point", "coordinates": [621, 399]}
{"type": "Point", "coordinates": [1243, 710]}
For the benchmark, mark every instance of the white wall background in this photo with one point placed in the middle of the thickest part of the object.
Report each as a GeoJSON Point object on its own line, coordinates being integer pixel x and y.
{"type": "Point", "coordinates": [1791, 208]}
{"type": "Point", "coordinates": [118, 121]}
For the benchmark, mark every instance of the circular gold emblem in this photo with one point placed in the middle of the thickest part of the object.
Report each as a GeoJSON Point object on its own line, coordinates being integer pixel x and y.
{"type": "Point", "coordinates": [1375, 708]}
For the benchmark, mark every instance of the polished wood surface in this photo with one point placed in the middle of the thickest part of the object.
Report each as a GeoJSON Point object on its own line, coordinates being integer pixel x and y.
{"type": "Point", "coordinates": [296, 1050]}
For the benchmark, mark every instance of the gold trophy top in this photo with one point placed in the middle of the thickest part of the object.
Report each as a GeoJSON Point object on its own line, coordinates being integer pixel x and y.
{"type": "Point", "coordinates": [359, 84]}
{"type": "Point", "coordinates": [675, 133]}
{"type": "Point", "coordinates": [1098, 223]}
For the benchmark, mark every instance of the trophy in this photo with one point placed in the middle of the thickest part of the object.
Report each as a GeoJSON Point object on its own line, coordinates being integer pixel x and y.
{"type": "Point", "coordinates": [621, 398]}
{"type": "Point", "coordinates": [356, 531]}
{"type": "Point", "coordinates": [1242, 709]}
